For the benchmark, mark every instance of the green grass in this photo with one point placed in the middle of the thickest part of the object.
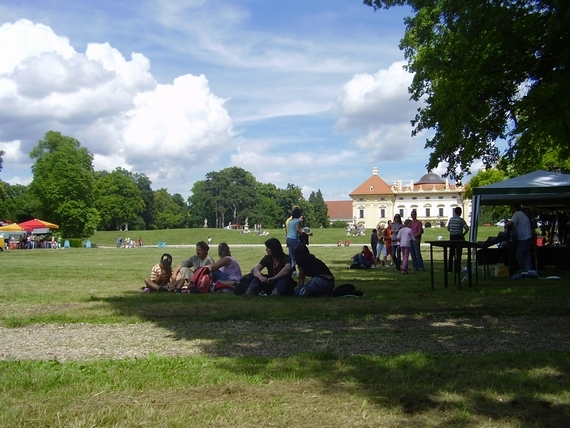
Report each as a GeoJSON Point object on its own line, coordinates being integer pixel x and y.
{"type": "Point", "coordinates": [321, 388]}
{"type": "Point", "coordinates": [191, 236]}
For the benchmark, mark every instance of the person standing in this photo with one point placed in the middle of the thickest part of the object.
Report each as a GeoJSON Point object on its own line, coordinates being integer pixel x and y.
{"type": "Point", "coordinates": [374, 245]}
{"type": "Point", "coordinates": [457, 229]}
{"type": "Point", "coordinates": [388, 242]}
{"type": "Point", "coordinates": [415, 250]}
{"type": "Point", "coordinates": [405, 239]}
{"type": "Point", "coordinates": [293, 232]}
{"type": "Point", "coordinates": [396, 250]}
{"type": "Point", "coordinates": [521, 227]}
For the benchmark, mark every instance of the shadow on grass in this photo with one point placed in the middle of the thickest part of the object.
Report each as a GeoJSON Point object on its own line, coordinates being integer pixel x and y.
{"type": "Point", "coordinates": [526, 390]}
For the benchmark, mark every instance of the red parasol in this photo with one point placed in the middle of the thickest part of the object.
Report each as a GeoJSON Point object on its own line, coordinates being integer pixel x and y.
{"type": "Point", "coordinates": [37, 224]}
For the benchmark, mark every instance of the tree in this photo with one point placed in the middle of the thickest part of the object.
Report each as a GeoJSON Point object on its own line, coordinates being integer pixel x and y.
{"type": "Point", "coordinates": [172, 210]}
{"type": "Point", "coordinates": [267, 211]}
{"type": "Point", "coordinates": [63, 183]}
{"type": "Point", "coordinates": [488, 70]}
{"type": "Point", "coordinates": [149, 212]}
{"type": "Point", "coordinates": [1, 159]}
{"type": "Point", "coordinates": [17, 203]}
{"type": "Point", "coordinates": [320, 209]}
{"type": "Point", "coordinates": [199, 204]}
{"type": "Point", "coordinates": [118, 199]}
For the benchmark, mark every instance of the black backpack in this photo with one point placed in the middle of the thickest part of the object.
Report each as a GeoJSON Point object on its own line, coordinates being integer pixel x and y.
{"type": "Point", "coordinates": [346, 290]}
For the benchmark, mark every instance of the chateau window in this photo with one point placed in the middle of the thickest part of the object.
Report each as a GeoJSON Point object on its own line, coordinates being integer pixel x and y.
{"type": "Point", "coordinates": [360, 213]}
{"type": "Point", "coordinates": [441, 212]}
{"type": "Point", "coordinates": [382, 213]}
{"type": "Point", "coordinates": [427, 212]}
{"type": "Point", "coordinates": [401, 212]}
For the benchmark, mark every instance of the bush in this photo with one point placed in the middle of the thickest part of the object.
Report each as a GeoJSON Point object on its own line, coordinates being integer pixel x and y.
{"type": "Point", "coordinates": [339, 224]}
{"type": "Point", "coordinates": [75, 242]}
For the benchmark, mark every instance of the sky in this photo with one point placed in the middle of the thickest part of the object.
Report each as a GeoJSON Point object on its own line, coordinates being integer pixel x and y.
{"type": "Point", "coordinates": [311, 93]}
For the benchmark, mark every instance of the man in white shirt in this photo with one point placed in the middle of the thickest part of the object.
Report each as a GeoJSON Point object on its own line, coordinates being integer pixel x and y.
{"type": "Point", "coordinates": [522, 230]}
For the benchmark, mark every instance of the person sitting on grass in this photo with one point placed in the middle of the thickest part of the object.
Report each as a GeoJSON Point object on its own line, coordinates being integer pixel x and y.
{"type": "Point", "coordinates": [278, 265]}
{"type": "Point", "coordinates": [322, 280]}
{"type": "Point", "coordinates": [226, 269]}
{"type": "Point", "coordinates": [364, 259]}
{"type": "Point", "coordinates": [186, 269]}
{"type": "Point", "coordinates": [161, 276]}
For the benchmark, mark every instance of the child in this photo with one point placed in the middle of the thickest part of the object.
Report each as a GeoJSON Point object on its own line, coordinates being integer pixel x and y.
{"type": "Point", "coordinates": [161, 276]}
{"type": "Point", "coordinates": [405, 237]}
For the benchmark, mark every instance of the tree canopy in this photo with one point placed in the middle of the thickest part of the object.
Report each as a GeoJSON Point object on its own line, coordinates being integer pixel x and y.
{"type": "Point", "coordinates": [63, 183]}
{"type": "Point", "coordinates": [487, 70]}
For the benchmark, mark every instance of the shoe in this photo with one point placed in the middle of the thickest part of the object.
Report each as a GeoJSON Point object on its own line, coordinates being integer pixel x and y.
{"type": "Point", "coordinates": [275, 293]}
{"type": "Point", "coordinates": [250, 292]}
{"type": "Point", "coordinates": [162, 288]}
{"type": "Point", "coordinates": [177, 290]}
{"type": "Point", "coordinates": [146, 290]}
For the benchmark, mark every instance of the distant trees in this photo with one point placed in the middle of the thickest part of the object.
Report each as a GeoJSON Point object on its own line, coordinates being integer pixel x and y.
{"type": "Point", "coordinates": [118, 199]}
{"type": "Point", "coordinates": [66, 190]}
{"type": "Point", "coordinates": [233, 194]}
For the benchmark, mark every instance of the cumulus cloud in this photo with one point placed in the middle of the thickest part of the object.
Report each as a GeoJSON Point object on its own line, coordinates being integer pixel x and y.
{"type": "Point", "coordinates": [112, 105]}
{"type": "Point", "coordinates": [369, 100]}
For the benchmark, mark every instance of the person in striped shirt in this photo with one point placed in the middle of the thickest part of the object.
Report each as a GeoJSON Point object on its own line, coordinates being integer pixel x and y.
{"type": "Point", "coordinates": [457, 230]}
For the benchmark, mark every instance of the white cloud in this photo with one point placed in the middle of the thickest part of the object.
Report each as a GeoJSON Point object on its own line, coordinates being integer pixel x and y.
{"type": "Point", "coordinates": [370, 100]}
{"type": "Point", "coordinates": [113, 106]}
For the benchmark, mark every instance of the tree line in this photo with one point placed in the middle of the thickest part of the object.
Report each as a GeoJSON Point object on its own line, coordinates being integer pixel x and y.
{"type": "Point", "coordinates": [66, 190]}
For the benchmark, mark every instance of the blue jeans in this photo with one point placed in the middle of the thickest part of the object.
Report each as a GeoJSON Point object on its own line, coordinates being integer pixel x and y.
{"type": "Point", "coordinates": [257, 286]}
{"type": "Point", "coordinates": [397, 256]}
{"type": "Point", "coordinates": [417, 260]}
{"type": "Point", "coordinates": [218, 275]}
{"type": "Point", "coordinates": [317, 286]}
{"type": "Point", "coordinates": [292, 244]}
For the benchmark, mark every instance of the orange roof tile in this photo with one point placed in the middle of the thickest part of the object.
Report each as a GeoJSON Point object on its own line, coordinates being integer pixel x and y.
{"type": "Point", "coordinates": [339, 210]}
{"type": "Point", "coordinates": [373, 186]}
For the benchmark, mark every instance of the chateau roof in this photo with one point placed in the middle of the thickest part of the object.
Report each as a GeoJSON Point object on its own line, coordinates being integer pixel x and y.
{"type": "Point", "coordinates": [430, 178]}
{"type": "Point", "coordinates": [339, 210]}
{"type": "Point", "coordinates": [373, 186]}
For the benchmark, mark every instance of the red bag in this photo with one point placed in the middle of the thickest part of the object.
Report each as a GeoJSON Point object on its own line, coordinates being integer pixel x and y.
{"type": "Point", "coordinates": [200, 281]}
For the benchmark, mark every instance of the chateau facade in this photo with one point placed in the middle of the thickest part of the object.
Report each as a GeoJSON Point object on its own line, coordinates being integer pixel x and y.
{"type": "Point", "coordinates": [375, 202]}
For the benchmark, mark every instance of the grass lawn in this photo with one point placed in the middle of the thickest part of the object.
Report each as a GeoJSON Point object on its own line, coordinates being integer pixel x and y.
{"type": "Point", "coordinates": [322, 388]}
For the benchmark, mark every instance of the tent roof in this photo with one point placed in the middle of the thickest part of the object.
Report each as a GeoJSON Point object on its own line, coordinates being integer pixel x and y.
{"type": "Point", "coordinates": [542, 187]}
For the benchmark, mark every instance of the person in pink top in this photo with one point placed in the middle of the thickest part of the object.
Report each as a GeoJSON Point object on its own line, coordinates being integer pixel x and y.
{"type": "Point", "coordinates": [406, 237]}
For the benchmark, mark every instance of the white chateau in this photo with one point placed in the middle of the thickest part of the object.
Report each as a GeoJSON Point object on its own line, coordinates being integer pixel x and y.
{"type": "Point", "coordinates": [374, 202]}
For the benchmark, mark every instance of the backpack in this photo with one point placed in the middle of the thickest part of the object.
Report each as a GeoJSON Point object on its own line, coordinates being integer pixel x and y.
{"type": "Point", "coordinates": [243, 284]}
{"type": "Point", "coordinates": [200, 281]}
{"type": "Point", "coordinates": [346, 290]}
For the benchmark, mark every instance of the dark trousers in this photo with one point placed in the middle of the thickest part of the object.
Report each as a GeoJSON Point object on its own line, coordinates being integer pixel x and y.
{"type": "Point", "coordinates": [454, 259]}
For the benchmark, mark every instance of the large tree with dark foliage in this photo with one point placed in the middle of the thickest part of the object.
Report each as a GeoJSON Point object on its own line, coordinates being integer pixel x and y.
{"type": "Point", "coordinates": [63, 182]}
{"type": "Point", "coordinates": [488, 70]}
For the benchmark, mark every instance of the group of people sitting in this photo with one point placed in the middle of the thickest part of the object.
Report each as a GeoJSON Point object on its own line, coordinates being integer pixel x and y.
{"type": "Point", "coordinates": [279, 268]}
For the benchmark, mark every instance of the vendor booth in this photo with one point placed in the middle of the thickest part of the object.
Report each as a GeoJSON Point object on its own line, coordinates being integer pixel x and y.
{"type": "Point", "coordinates": [547, 196]}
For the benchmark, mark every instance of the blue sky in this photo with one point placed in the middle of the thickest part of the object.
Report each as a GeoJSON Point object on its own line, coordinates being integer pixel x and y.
{"type": "Point", "coordinates": [311, 93]}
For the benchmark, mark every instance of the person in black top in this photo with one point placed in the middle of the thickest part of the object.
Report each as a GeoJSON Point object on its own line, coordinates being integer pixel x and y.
{"type": "Point", "coordinates": [278, 265]}
{"type": "Point", "coordinates": [322, 280]}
